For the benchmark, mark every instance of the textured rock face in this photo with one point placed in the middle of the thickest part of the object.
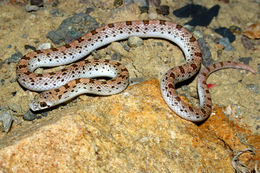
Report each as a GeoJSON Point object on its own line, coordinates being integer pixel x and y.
{"type": "Point", "coordinates": [132, 131]}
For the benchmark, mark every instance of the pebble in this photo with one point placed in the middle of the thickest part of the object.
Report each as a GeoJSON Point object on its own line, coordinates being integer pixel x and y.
{"type": "Point", "coordinates": [6, 119]}
{"type": "Point", "coordinates": [45, 113]}
{"type": "Point", "coordinates": [135, 41]}
{"type": "Point", "coordinates": [54, 12]}
{"type": "Point", "coordinates": [206, 54]}
{"type": "Point", "coordinates": [245, 60]}
{"type": "Point", "coordinates": [30, 8]}
{"type": "Point", "coordinates": [253, 31]}
{"type": "Point", "coordinates": [258, 68]}
{"type": "Point", "coordinates": [15, 57]}
{"type": "Point", "coordinates": [29, 47]}
{"type": "Point", "coordinates": [235, 29]}
{"type": "Point", "coordinates": [116, 56]}
{"type": "Point", "coordinates": [44, 46]}
{"type": "Point", "coordinates": [247, 43]}
{"type": "Point", "coordinates": [225, 42]}
{"type": "Point", "coordinates": [72, 28]}
{"type": "Point", "coordinates": [144, 9]}
{"type": "Point", "coordinates": [253, 87]}
{"type": "Point", "coordinates": [38, 3]}
{"type": "Point", "coordinates": [163, 9]}
{"type": "Point", "coordinates": [153, 15]}
{"type": "Point", "coordinates": [29, 116]}
{"type": "Point", "coordinates": [118, 3]}
{"type": "Point", "coordinates": [125, 46]}
{"type": "Point", "coordinates": [2, 82]}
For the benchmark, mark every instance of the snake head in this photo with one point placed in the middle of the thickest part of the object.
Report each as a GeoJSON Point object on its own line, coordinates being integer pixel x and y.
{"type": "Point", "coordinates": [40, 102]}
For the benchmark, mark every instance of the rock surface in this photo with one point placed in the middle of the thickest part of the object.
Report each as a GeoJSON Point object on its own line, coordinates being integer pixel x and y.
{"type": "Point", "coordinates": [131, 131]}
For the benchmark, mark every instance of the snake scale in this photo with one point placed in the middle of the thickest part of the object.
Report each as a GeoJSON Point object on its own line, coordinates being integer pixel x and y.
{"type": "Point", "coordinates": [60, 86]}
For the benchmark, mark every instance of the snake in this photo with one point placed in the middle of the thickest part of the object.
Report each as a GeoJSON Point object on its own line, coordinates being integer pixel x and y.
{"type": "Point", "coordinates": [83, 76]}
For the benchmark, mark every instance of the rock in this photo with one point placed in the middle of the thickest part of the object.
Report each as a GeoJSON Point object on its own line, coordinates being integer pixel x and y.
{"type": "Point", "coordinates": [30, 8]}
{"type": "Point", "coordinates": [245, 60]}
{"type": "Point", "coordinates": [247, 43]}
{"type": "Point", "coordinates": [135, 41]}
{"type": "Point", "coordinates": [6, 119]}
{"type": "Point", "coordinates": [72, 28]}
{"type": "Point", "coordinates": [206, 54]}
{"type": "Point", "coordinates": [15, 57]}
{"type": "Point", "coordinates": [44, 46]}
{"type": "Point", "coordinates": [137, 124]}
{"type": "Point", "coordinates": [253, 31]}
{"type": "Point", "coordinates": [163, 9]}
{"type": "Point", "coordinates": [29, 116]}
{"type": "Point", "coordinates": [38, 3]}
{"type": "Point", "coordinates": [225, 42]}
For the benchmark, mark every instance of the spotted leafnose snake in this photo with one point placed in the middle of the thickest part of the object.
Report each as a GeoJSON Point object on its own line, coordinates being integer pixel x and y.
{"type": "Point", "coordinates": [58, 87]}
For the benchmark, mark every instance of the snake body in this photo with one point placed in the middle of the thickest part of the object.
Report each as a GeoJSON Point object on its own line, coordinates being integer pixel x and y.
{"type": "Point", "coordinates": [58, 87]}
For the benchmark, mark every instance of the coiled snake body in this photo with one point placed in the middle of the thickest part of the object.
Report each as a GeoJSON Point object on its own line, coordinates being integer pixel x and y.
{"type": "Point", "coordinates": [76, 79]}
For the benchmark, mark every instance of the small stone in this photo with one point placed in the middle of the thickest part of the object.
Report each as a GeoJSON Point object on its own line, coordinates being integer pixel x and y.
{"type": "Point", "coordinates": [15, 57]}
{"type": "Point", "coordinates": [72, 28]}
{"type": "Point", "coordinates": [253, 31]}
{"type": "Point", "coordinates": [258, 68]}
{"type": "Point", "coordinates": [135, 41]}
{"type": "Point", "coordinates": [163, 9]}
{"type": "Point", "coordinates": [225, 42]}
{"type": "Point", "coordinates": [247, 43]}
{"type": "Point", "coordinates": [6, 119]}
{"type": "Point", "coordinates": [29, 116]}
{"type": "Point", "coordinates": [56, 12]}
{"type": "Point", "coordinates": [116, 56]}
{"type": "Point", "coordinates": [44, 46]}
{"type": "Point", "coordinates": [153, 15]}
{"type": "Point", "coordinates": [2, 82]}
{"type": "Point", "coordinates": [144, 9]}
{"type": "Point", "coordinates": [29, 47]}
{"type": "Point", "coordinates": [118, 3]}
{"type": "Point", "coordinates": [38, 3]}
{"type": "Point", "coordinates": [45, 113]}
{"type": "Point", "coordinates": [24, 36]}
{"type": "Point", "coordinates": [30, 8]}
{"type": "Point", "coordinates": [206, 54]}
{"type": "Point", "coordinates": [245, 60]}
{"type": "Point", "coordinates": [235, 29]}
{"type": "Point", "coordinates": [253, 87]}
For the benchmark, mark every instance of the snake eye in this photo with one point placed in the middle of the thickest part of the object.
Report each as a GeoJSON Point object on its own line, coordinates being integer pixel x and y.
{"type": "Point", "coordinates": [43, 104]}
